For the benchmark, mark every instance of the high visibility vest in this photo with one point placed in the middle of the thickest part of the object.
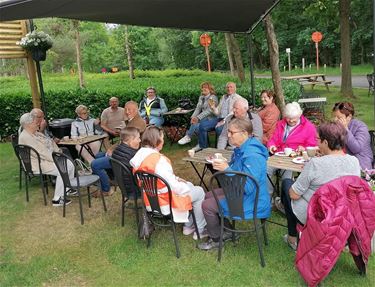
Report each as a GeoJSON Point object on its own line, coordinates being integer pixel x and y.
{"type": "Point", "coordinates": [181, 204]}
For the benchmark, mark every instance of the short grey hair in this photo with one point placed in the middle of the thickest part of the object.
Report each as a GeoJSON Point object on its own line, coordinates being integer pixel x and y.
{"type": "Point", "coordinates": [80, 108]}
{"type": "Point", "coordinates": [34, 112]}
{"type": "Point", "coordinates": [292, 110]}
{"type": "Point", "coordinates": [26, 119]}
{"type": "Point", "coordinates": [243, 102]}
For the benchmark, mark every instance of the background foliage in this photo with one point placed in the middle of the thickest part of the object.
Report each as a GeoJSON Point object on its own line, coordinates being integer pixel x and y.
{"type": "Point", "coordinates": [63, 94]}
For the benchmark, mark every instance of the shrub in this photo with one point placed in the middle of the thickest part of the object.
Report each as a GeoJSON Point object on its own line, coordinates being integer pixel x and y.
{"type": "Point", "coordinates": [62, 93]}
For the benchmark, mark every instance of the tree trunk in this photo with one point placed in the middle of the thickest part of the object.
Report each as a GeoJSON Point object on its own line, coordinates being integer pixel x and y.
{"type": "Point", "coordinates": [346, 74]}
{"type": "Point", "coordinates": [76, 25]}
{"type": "Point", "coordinates": [237, 57]}
{"type": "Point", "coordinates": [230, 53]}
{"type": "Point", "coordinates": [273, 49]}
{"type": "Point", "coordinates": [129, 54]}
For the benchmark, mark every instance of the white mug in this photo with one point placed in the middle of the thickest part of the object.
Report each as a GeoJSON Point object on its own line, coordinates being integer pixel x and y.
{"type": "Point", "coordinates": [191, 152]}
{"type": "Point", "coordinates": [287, 151]}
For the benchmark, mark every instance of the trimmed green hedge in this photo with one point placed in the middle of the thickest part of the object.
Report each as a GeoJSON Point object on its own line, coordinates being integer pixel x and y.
{"type": "Point", "coordinates": [62, 94]}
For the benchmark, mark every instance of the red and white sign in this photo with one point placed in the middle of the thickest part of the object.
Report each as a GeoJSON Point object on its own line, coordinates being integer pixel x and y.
{"type": "Point", "coordinates": [205, 40]}
{"type": "Point", "coordinates": [317, 37]}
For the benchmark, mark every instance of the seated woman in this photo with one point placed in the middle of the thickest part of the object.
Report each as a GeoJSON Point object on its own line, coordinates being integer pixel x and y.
{"type": "Point", "coordinates": [203, 115]}
{"type": "Point", "coordinates": [249, 156]}
{"type": "Point", "coordinates": [269, 114]}
{"type": "Point", "coordinates": [319, 170]}
{"type": "Point", "coordinates": [358, 141]}
{"type": "Point", "coordinates": [44, 145]}
{"type": "Point", "coordinates": [293, 131]}
{"type": "Point", "coordinates": [149, 158]}
{"type": "Point", "coordinates": [84, 126]}
{"type": "Point", "coordinates": [152, 108]}
{"type": "Point", "coordinates": [130, 139]}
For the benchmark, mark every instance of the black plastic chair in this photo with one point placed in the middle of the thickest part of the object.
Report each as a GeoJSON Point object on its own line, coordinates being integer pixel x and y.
{"type": "Point", "coordinates": [372, 137]}
{"type": "Point", "coordinates": [24, 154]}
{"type": "Point", "coordinates": [370, 79]}
{"type": "Point", "coordinates": [14, 138]}
{"type": "Point", "coordinates": [74, 184]}
{"type": "Point", "coordinates": [233, 185]}
{"type": "Point", "coordinates": [148, 184]}
{"type": "Point", "coordinates": [129, 189]}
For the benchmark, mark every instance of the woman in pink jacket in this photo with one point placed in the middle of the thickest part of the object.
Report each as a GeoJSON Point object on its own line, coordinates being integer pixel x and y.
{"type": "Point", "coordinates": [293, 131]}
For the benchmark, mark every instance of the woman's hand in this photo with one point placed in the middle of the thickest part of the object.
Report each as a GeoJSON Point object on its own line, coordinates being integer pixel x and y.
{"type": "Point", "coordinates": [272, 149]}
{"type": "Point", "coordinates": [344, 121]}
{"type": "Point", "coordinates": [220, 164]}
{"type": "Point", "coordinates": [194, 120]}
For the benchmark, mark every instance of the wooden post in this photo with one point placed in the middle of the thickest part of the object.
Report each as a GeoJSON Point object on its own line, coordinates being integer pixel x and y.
{"type": "Point", "coordinates": [208, 59]}
{"type": "Point", "coordinates": [33, 82]}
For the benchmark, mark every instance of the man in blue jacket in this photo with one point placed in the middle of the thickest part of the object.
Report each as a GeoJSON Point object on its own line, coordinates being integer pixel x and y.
{"type": "Point", "coordinates": [250, 157]}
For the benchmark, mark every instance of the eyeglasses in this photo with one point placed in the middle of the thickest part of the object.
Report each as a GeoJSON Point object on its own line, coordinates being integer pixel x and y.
{"type": "Point", "coordinates": [234, 132]}
{"type": "Point", "coordinates": [342, 106]}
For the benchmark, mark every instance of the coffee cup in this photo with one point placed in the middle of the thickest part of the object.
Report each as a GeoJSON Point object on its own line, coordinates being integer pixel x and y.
{"type": "Point", "coordinates": [66, 138]}
{"type": "Point", "coordinates": [311, 151]}
{"type": "Point", "coordinates": [191, 152]}
{"type": "Point", "coordinates": [288, 151]}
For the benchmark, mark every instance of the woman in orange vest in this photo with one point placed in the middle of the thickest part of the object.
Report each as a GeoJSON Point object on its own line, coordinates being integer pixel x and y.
{"type": "Point", "coordinates": [184, 194]}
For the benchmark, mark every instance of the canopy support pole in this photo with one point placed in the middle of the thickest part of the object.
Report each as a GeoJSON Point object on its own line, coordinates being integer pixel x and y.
{"type": "Point", "coordinates": [252, 82]}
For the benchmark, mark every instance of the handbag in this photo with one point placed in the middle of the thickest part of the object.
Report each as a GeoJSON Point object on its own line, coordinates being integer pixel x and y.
{"type": "Point", "coordinates": [185, 104]}
{"type": "Point", "coordinates": [145, 227]}
{"type": "Point", "coordinates": [82, 168]}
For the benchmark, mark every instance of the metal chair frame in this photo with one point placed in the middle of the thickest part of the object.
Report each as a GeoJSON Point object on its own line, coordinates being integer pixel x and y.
{"type": "Point", "coordinates": [147, 183]}
{"type": "Point", "coordinates": [14, 138]}
{"type": "Point", "coordinates": [233, 185]}
{"type": "Point", "coordinates": [370, 79]}
{"type": "Point", "coordinates": [61, 162]}
{"type": "Point", "coordinates": [120, 171]}
{"type": "Point", "coordinates": [23, 153]}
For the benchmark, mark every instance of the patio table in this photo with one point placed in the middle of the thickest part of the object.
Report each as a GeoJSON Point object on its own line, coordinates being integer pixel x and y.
{"type": "Point", "coordinates": [84, 143]}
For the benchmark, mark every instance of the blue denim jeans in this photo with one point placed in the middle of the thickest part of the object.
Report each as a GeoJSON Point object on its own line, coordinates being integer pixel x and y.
{"type": "Point", "coordinates": [157, 121]}
{"type": "Point", "coordinates": [99, 166]}
{"type": "Point", "coordinates": [193, 130]}
{"type": "Point", "coordinates": [205, 126]}
{"type": "Point", "coordinates": [218, 130]}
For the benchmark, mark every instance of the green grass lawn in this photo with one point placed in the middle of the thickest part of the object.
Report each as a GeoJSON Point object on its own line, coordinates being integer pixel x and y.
{"type": "Point", "coordinates": [38, 247]}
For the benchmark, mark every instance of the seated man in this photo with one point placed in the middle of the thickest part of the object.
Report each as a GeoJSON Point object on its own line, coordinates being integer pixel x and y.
{"type": "Point", "coordinates": [133, 118]}
{"type": "Point", "coordinates": [152, 108]}
{"type": "Point", "coordinates": [249, 156]}
{"type": "Point", "coordinates": [130, 139]}
{"type": "Point", "coordinates": [319, 170]}
{"type": "Point", "coordinates": [45, 146]}
{"type": "Point", "coordinates": [241, 111]}
{"type": "Point", "coordinates": [112, 118]}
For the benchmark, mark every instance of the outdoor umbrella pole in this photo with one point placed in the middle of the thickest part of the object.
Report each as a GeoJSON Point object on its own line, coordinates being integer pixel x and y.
{"type": "Point", "coordinates": [252, 83]}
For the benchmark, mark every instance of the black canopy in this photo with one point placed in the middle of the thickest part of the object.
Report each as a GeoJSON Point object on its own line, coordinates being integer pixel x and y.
{"type": "Point", "coordinates": [210, 15]}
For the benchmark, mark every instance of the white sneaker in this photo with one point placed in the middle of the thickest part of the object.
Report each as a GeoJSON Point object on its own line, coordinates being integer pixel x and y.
{"type": "Point", "coordinates": [186, 139]}
{"type": "Point", "coordinates": [196, 148]}
{"type": "Point", "coordinates": [187, 230]}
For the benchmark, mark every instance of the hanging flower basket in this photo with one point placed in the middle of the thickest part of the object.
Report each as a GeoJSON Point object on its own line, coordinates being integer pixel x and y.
{"type": "Point", "coordinates": [37, 43]}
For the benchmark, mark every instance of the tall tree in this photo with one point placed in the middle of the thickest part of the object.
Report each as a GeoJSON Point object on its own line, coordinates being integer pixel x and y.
{"type": "Point", "coordinates": [346, 73]}
{"type": "Point", "coordinates": [273, 49]}
{"type": "Point", "coordinates": [76, 26]}
{"type": "Point", "coordinates": [129, 53]}
{"type": "Point", "coordinates": [230, 53]}
{"type": "Point", "coordinates": [237, 57]}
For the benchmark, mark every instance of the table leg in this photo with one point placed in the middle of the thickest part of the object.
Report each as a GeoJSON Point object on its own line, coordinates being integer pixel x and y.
{"type": "Point", "coordinates": [201, 177]}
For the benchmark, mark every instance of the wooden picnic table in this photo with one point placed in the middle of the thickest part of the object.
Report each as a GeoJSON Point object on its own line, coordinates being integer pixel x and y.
{"type": "Point", "coordinates": [310, 79]}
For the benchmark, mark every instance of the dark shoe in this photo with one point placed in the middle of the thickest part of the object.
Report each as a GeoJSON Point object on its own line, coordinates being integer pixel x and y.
{"type": "Point", "coordinates": [60, 202]}
{"type": "Point", "coordinates": [209, 245]}
{"type": "Point", "coordinates": [71, 193]}
{"type": "Point", "coordinates": [290, 244]}
{"type": "Point", "coordinates": [228, 236]}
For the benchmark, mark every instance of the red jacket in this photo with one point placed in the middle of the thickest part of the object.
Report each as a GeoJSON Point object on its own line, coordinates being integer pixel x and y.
{"type": "Point", "coordinates": [304, 134]}
{"type": "Point", "coordinates": [340, 211]}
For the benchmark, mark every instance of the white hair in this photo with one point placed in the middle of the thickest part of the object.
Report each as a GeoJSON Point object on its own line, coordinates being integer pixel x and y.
{"type": "Point", "coordinates": [292, 110]}
{"type": "Point", "coordinates": [34, 112]}
{"type": "Point", "coordinates": [80, 108]}
{"type": "Point", "coordinates": [26, 119]}
{"type": "Point", "coordinates": [243, 102]}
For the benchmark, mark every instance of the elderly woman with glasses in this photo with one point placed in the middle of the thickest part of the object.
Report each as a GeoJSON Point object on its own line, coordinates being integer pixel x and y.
{"type": "Point", "coordinates": [358, 141]}
{"type": "Point", "coordinates": [85, 126]}
{"type": "Point", "coordinates": [293, 131]}
{"type": "Point", "coordinates": [249, 156]}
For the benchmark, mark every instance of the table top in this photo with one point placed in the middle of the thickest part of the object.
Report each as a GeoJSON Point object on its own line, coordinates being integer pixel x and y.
{"type": "Point", "coordinates": [284, 162]}
{"type": "Point", "coordinates": [177, 111]}
{"type": "Point", "coordinates": [200, 156]}
{"type": "Point", "coordinates": [302, 76]}
{"type": "Point", "coordinates": [273, 161]}
{"type": "Point", "coordinates": [82, 141]}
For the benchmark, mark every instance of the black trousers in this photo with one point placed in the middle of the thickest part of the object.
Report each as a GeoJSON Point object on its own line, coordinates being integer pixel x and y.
{"type": "Point", "coordinates": [287, 202]}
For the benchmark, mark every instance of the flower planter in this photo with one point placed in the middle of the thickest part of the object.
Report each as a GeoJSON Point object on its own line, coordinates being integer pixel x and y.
{"type": "Point", "coordinates": [39, 55]}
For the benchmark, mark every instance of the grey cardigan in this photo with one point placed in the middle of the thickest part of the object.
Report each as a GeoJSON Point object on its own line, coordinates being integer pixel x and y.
{"type": "Point", "coordinates": [203, 109]}
{"type": "Point", "coordinates": [222, 142]}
